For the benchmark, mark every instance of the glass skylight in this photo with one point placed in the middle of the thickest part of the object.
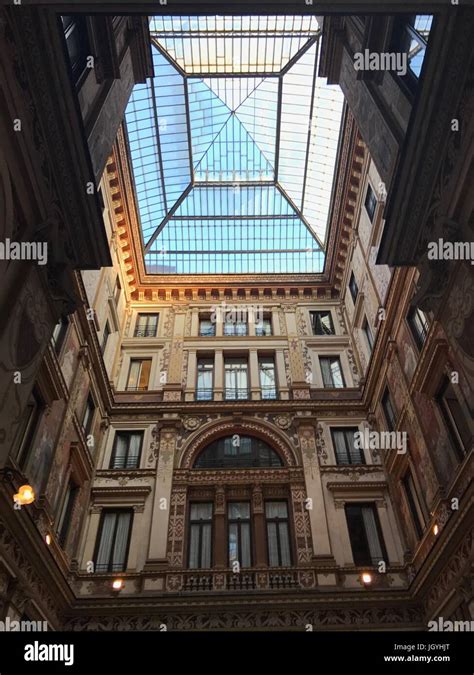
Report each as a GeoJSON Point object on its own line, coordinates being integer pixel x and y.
{"type": "Point", "coordinates": [233, 145]}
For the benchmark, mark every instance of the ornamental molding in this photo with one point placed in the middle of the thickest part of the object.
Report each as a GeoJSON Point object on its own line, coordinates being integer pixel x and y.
{"type": "Point", "coordinates": [220, 428]}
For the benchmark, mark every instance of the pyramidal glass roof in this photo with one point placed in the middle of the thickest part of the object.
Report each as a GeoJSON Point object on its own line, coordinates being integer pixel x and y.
{"type": "Point", "coordinates": [233, 145]}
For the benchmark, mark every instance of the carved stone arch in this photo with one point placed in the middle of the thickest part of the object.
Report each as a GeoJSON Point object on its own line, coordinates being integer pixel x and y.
{"type": "Point", "coordinates": [248, 426]}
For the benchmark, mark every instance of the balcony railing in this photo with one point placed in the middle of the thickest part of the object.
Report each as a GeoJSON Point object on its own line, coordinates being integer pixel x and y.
{"type": "Point", "coordinates": [204, 395]}
{"type": "Point", "coordinates": [138, 387]}
{"type": "Point", "coordinates": [145, 332]}
{"type": "Point", "coordinates": [269, 579]}
{"type": "Point", "coordinates": [236, 330]}
{"type": "Point", "coordinates": [269, 393]}
{"type": "Point", "coordinates": [130, 462]}
{"type": "Point", "coordinates": [207, 332]}
{"type": "Point", "coordinates": [236, 394]}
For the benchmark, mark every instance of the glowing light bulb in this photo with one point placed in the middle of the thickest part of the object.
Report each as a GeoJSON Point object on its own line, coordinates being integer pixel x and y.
{"type": "Point", "coordinates": [435, 529]}
{"type": "Point", "coordinates": [366, 578]}
{"type": "Point", "coordinates": [48, 539]}
{"type": "Point", "coordinates": [117, 584]}
{"type": "Point", "coordinates": [25, 495]}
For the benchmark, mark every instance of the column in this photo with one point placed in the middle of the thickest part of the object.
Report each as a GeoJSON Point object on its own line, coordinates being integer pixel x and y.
{"type": "Point", "coordinates": [218, 375]}
{"type": "Point", "coordinates": [191, 377]}
{"type": "Point", "coordinates": [254, 375]}
{"type": "Point", "coordinates": [157, 552]}
{"type": "Point", "coordinates": [195, 321]}
{"type": "Point", "coordinates": [282, 384]}
{"type": "Point", "coordinates": [259, 527]}
{"type": "Point", "coordinates": [173, 387]}
{"type": "Point", "coordinates": [220, 538]}
{"type": "Point", "coordinates": [314, 491]}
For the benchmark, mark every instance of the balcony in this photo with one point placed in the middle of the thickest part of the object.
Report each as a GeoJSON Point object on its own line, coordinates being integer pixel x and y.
{"type": "Point", "coordinates": [204, 395]}
{"type": "Point", "coordinates": [269, 393]}
{"type": "Point", "coordinates": [236, 394]}
{"type": "Point", "coordinates": [145, 332]}
{"type": "Point", "coordinates": [207, 332]}
{"type": "Point", "coordinates": [205, 581]}
{"type": "Point", "coordinates": [235, 330]}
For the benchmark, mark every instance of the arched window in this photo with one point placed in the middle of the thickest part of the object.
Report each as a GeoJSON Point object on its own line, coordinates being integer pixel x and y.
{"type": "Point", "coordinates": [237, 452]}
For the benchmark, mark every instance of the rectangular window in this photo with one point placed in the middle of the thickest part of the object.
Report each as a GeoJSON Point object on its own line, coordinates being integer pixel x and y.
{"type": "Point", "coordinates": [413, 503]}
{"type": "Point", "coordinates": [368, 335]}
{"type": "Point", "coordinates": [344, 446]}
{"type": "Point", "coordinates": [77, 42]}
{"type": "Point", "coordinates": [147, 325]}
{"type": "Point", "coordinates": [66, 513]}
{"type": "Point", "coordinates": [127, 450]}
{"type": "Point", "coordinates": [411, 38]}
{"type": "Point", "coordinates": [29, 426]}
{"type": "Point", "coordinates": [105, 337]}
{"type": "Point", "coordinates": [113, 541]}
{"type": "Point", "coordinates": [236, 379]}
{"type": "Point", "coordinates": [370, 203]}
{"type": "Point", "coordinates": [207, 328]}
{"type": "Point", "coordinates": [419, 325]}
{"type": "Point", "coordinates": [266, 366]}
{"type": "Point", "coordinates": [389, 410]}
{"type": "Point", "coordinates": [278, 534]}
{"type": "Point", "coordinates": [365, 534]}
{"type": "Point", "coordinates": [321, 323]}
{"type": "Point", "coordinates": [235, 325]}
{"type": "Point", "coordinates": [139, 375]}
{"type": "Point", "coordinates": [332, 372]}
{"type": "Point", "coordinates": [455, 419]}
{"type": "Point", "coordinates": [88, 417]}
{"type": "Point", "coordinates": [263, 328]}
{"type": "Point", "coordinates": [354, 289]}
{"type": "Point", "coordinates": [200, 536]}
{"type": "Point", "coordinates": [205, 377]}
{"type": "Point", "coordinates": [59, 334]}
{"type": "Point", "coordinates": [240, 546]}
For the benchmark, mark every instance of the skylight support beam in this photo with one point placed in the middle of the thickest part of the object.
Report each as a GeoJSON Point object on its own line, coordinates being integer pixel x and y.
{"type": "Point", "coordinates": [188, 124]}
{"type": "Point", "coordinates": [310, 130]}
{"type": "Point", "coordinates": [168, 217]}
{"type": "Point", "coordinates": [299, 54]}
{"type": "Point", "coordinates": [157, 130]}
{"type": "Point", "coordinates": [298, 212]}
{"type": "Point", "coordinates": [278, 129]}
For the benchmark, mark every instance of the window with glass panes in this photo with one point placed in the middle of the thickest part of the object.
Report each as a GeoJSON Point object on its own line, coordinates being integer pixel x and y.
{"type": "Point", "coordinates": [331, 371]}
{"type": "Point", "coordinates": [278, 534]}
{"type": "Point", "coordinates": [344, 446]}
{"type": "Point", "coordinates": [205, 375]}
{"type": "Point", "coordinates": [239, 533]}
{"type": "Point", "coordinates": [200, 535]}
{"type": "Point", "coordinates": [236, 378]}
{"type": "Point", "coordinates": [147, 325]}
{"type": "Point", "coordinates": [321, 323]}
{"type": "Point", "coordinates": [264, 327]}
{"type": "Point", "coordinates": [365, 534]}
{"type": "Point", "coordinates": [139, 375]}
{"type": "Point", "coordinates": [127, 450]}
{"type": "Point", "coordinates": [266, 366]}
{"type": "Point", "coordinates": [113, 540]}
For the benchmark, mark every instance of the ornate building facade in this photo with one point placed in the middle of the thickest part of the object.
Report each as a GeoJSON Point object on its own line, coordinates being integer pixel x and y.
{"type": "Point", "coordinates": [189, 438]}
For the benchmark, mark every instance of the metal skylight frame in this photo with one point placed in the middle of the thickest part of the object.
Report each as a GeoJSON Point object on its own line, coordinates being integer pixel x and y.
{"type": "Point", "coordinates": [309, 144]}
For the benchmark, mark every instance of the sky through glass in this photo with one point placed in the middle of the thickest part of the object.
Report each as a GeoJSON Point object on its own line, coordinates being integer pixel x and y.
{"type": "Point", "coordinates": [233, 145]}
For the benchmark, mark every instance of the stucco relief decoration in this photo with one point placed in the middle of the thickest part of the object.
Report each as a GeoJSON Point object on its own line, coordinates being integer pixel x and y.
{"type": "Point", "coordinates": [191, 423]}
{"type": "Point", "coordinates": [321, 444]}
{"type": "Point", "coordinates": [167, 446]}
{"type": "Point", "coordinates": [169, 323]}
{"type": "Point", "coordinates": [176, 526]}
{"type": "Point", "coordinates": [283, 421]}
{"type": "Point", "coordinates": [281, 316]}
{"type": "Point", "coordinates": [229, 427]}
{"type": "Point", "coordinates": [302, 525]}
